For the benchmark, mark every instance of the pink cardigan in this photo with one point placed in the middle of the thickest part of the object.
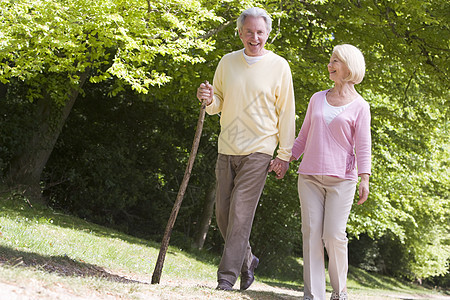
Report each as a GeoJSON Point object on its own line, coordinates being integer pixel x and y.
{"type": "Point", "coordinates": [330, 149]}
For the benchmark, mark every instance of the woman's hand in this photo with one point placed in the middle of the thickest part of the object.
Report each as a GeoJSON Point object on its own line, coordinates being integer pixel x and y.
{"type": "Point", "coordinates": [363, 188]}
{"type": "Point", "coordinates": [279, 166]}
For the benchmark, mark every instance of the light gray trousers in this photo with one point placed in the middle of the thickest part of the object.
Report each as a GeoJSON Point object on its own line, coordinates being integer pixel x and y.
{"type": "Point", "coordinates": [240, 181]}
{"type": "Point", "coordinates": [325, 205]}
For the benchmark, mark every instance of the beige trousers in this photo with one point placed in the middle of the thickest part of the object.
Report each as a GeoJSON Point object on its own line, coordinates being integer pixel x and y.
{"type": "Point", "coordinates": [325, 205]}
{"type": "Point", "coordinates": [240, 181]}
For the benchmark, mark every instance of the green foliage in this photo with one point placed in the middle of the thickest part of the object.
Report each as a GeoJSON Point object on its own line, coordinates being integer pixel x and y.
{"type": "Point", "coordinates": [407, 87]}
{"type": "Point", "coordinates": [120, 160]}
{"type": "Point", "coordinates": [110, 39]}
{"type": "Point", "coordinates": [16, 122]}
{"type": "Point", "coordinates": [105, 167]}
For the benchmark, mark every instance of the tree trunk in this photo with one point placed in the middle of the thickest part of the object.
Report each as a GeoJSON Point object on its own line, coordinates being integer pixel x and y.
{"type": "Point", "coordinates": [205, 220]}
{"type": "Point", "coordinates": [26, 168]}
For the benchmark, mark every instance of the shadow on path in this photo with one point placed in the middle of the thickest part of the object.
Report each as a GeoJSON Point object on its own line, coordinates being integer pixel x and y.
{"type": "Point", "coordinates": [61, 265]}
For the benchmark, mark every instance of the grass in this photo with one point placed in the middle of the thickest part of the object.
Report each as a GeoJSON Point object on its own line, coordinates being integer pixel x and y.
{"type": "Point", "coordinates": [48, 255]}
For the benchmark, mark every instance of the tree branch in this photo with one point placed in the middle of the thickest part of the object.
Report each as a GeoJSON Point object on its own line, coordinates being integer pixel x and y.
{"type": "Point", "coordinates": [214, 31]}
{"type": "Point", "coordinates": [407, 86]}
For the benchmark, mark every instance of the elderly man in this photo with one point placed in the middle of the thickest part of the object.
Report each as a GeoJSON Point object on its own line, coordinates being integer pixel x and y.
{"type": "Point", "coordinates": [253, 91]}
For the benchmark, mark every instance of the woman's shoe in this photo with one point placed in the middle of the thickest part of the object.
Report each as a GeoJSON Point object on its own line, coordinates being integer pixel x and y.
{"type": "Point", "coordinates": [340, 296]}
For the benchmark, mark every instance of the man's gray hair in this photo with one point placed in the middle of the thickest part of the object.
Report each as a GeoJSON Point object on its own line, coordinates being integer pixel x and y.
{"type": "Point", "coordinates": [255, 12]}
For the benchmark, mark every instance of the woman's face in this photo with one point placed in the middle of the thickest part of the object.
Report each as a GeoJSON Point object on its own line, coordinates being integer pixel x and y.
{"type": "Point", "coordinates": [254, 35]}
{"type": "Point", "coordinates": [337, 69]}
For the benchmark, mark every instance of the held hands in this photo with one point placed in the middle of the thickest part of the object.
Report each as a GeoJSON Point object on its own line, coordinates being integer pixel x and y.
{"type": "Point", "coordinates": [279, 166]}
{"type": "Point", "coordinates": [205, 92]}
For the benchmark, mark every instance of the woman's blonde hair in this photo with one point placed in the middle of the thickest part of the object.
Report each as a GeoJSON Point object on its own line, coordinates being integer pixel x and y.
{"type": "Point", "coordinates": [354, 60]}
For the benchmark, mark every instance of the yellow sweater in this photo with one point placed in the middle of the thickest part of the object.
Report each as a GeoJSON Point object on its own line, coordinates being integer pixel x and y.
{"type": "Point", "coordinates": [256, 105]}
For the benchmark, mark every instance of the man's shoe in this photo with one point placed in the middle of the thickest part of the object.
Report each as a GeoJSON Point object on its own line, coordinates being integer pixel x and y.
{"type": "Point", "coordinates": [248, 277]}
{"type": "Point", "coordinates": [224, 285]}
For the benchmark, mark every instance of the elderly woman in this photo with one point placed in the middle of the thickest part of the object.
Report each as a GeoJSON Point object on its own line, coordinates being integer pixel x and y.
{"type": "Point", "coordinates": [335, 142]}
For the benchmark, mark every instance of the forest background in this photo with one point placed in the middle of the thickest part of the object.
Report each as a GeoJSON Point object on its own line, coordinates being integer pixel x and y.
{"type": "Point", "coordinates": [98, 113]}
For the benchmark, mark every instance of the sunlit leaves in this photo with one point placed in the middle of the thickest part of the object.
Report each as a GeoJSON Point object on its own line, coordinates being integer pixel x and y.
{"type": "Point", "coordinates": [111, 39]}
{"type": "Point", "coordinates": [164, 48]}
{"type": "Point", "coordinates": [406, 46]}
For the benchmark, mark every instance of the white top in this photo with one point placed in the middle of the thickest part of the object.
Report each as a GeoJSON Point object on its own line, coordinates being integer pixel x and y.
{"type": "Point", "coordinates": [252, 59]}
{"type": "Point", "coordinates": [330, 112]}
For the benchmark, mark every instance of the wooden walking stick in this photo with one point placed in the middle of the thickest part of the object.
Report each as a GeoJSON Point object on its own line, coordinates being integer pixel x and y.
{"type": "Point", "coordinates": [176, 206]}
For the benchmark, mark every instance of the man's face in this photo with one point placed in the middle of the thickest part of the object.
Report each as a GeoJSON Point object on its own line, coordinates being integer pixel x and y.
{"type": "Point", "coordinates": [254, 35]}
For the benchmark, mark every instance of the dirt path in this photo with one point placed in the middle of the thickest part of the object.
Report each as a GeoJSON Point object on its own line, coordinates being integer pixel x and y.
{"type": "Point", "coordinates": [34, 290]}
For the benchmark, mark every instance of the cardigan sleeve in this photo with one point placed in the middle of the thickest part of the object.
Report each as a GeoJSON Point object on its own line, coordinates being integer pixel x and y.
{"type": "Point", "coordinates": [300, 141]}
{"type": "Point", "coordinates": [363, 141]}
